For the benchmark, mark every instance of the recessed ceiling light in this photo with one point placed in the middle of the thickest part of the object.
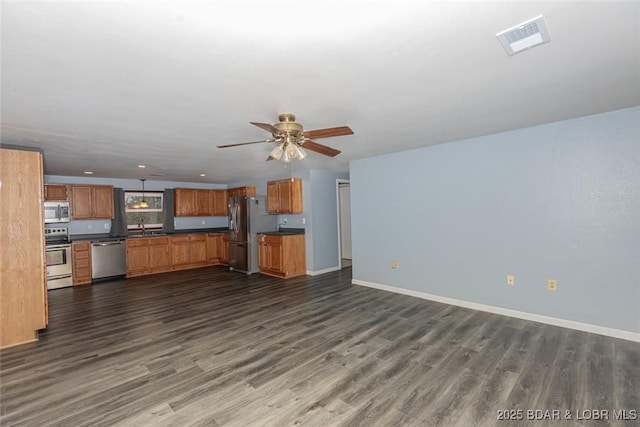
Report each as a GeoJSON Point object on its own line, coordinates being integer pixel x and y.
{"type": "Point", "coordinates": [203, 174]}
{"type": "Point", "coordinates": [142, 166]}
{"type": "Point", "coordinates": [524, 36]}
{"type": "Point", "coordinates": [88, 173]}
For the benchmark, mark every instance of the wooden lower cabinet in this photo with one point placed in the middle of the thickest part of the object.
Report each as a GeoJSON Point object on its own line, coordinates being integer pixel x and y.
{"type": "Point", "coordinates": [81, 263]}
{"type": "Point", "coordinates": [214, 248]}
{"type": "Point", "coordinates": [160, 254]}
{"type": "Point", "coordinates": [224, 249]}
{"type": "Point", "coordinates": [198, 249]}
{"type": "Point", "coordinates": [282, 256]}
{"type": "Point", "coordinates": [180, 248]}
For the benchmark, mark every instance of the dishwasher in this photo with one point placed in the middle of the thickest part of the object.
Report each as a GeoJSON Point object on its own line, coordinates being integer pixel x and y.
{"type": "Point", "coordinates": [108, 259]}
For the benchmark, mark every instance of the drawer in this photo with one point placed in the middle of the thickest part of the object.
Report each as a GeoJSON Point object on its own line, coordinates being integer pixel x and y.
{"type": "Point", "coordinates": [82, 254]}
{"type": "Point", "coordinates": [177, 239]}
{"type": "Point", "coordinates": [198, 237]}
{"type": "Point", "coordinates": [81, 263]}
{"type": "Point", "coordinates": [158, 241]}
{"type": "Point", "coordinates": [135, 242]}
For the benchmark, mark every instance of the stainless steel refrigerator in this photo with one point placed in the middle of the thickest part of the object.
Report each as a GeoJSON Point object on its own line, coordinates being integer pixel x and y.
{"type": "Point", "coordinates": [247, 217]}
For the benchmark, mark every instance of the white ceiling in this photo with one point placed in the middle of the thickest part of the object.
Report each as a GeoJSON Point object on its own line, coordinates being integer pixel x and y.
{"type": "Point", "coordinates": [105, 86]}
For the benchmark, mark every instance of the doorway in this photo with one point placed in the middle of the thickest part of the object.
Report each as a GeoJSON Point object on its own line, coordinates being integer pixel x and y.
{"type": "Point", "coordinates": [343, 192]}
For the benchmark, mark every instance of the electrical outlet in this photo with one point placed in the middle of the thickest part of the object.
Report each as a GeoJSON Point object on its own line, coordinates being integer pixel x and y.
{"type": "Point", "coordinates": [202, 222]}
{"type": "Point", "coordinates": [552, 285]}
{"type": "Point", "coordinates": [304, 221]}
{"type": "Point", "coordinates": [106, 226]}
{"type": "Point", "coordinates": [90, 226]}
{"type": "Point", "coordinates": [394, 264]}
{"type": "Point", "coordinates": [284, 221]}
{"type": "Point", "coordinates": [511, 280]}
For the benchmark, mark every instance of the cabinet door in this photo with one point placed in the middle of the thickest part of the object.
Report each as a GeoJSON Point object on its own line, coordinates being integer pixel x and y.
{"type": "Point", "coordinates": [198, 249]}
{"type": "Point", "coordinates": [202, 203]}
{"type": "Point", "coordinates": [284, 196]}
{"type": "Point", "coordinates": [180, 250]}
{"type": "Point", "coordinates": [219, 202]}
{"type": "Point", "coordinates": [263, 255]}
{"type": "Point", "coordinates": [184, 202]}
{"type": "Point", "coordinates": [137, 256]}
{"type": "Point", "coordinates": [55, 192]}
{"type": "Point", "coordinates": [275, 258]}
{"type": "Point", "coordinates": [214, 243]}
{"type": "Point", "coordinates": [295, 194]}
{"type": "Point", "coordinates": [102, 200]}
{"type": "Point", "coordinates": [224, 249]}
{"type": "Point", "coordinates": [159, 254]}
{"type": "Point", "coordinates": [272, 197]}
{"type": "Point", "coordinates": [81, 202]}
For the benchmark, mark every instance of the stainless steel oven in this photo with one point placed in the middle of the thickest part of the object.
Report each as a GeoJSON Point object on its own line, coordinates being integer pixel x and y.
{"type": "Point", "coordinates": [58, 251]}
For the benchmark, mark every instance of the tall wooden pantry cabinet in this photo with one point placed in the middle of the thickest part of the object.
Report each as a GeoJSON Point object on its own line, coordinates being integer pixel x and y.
{"type": "Point", "coordinates": [23, 285]}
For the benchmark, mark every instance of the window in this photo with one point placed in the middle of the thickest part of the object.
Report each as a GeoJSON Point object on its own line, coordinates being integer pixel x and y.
{"type": "Point", "coordinates": [152, 216]}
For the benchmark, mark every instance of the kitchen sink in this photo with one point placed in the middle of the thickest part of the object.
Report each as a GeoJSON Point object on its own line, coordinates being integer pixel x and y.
{"type": "Point", "coordinates": [148, 234]}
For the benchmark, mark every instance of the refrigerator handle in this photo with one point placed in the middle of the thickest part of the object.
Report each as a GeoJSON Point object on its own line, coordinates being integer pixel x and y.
{"type": "Point", "coordinates": [235, 222]}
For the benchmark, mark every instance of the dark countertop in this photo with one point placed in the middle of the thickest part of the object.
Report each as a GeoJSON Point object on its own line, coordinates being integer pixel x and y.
{"type": "Point", "coordinates": [106, 237]}
{"type": "Point", "coordinates": [284, 232]}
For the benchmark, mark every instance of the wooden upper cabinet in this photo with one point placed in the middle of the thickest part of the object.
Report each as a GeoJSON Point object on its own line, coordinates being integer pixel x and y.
{"type": "Point", "coordinates": [102, 201]}
{"type": "Point", "coordinates": [284, 196]}
{"type": "Point", "coordinates": [55, 192]}
{"type": "Point", "coordinates": [273, 201]}
{"type": "Point", "coordinates": [242, 191]}
{"type": "Point", "coordinates": [81, 204]}
{"type": "Point", "coordinates": [185, 201]}
{"type": "Point", "coordinates": [200, 202]}
{"type": "Point", "coordinates": [218, 202]}
{"type": "Point", "coordinates": [203, 206]}
{"type": "Point", "coordinates": [91, 201]}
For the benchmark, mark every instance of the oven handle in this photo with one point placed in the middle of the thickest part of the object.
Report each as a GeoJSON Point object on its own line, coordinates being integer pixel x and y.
{"type": "Point", "coordinates": [51, 248]}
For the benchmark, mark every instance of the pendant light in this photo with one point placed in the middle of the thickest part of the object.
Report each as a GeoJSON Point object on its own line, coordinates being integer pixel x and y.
{"type": "Point", "coordinates": [143, 204]}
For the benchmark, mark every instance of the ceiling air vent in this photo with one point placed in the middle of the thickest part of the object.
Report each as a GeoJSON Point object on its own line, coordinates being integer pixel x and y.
{"type": "Point", "coordinates": [524, 36]}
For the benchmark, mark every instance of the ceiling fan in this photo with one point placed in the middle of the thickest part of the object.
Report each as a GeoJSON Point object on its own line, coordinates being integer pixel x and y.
{"type": "Point", "coordinates": [291, 138]}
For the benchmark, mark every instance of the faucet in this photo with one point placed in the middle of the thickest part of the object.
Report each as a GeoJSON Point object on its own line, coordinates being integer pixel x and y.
{"type": "Point", "coordinates": [141, 225]}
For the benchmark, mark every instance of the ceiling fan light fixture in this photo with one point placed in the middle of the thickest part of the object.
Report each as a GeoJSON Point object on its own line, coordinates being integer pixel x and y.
{"type": "Point", "coordinates": [285, 156]}
{"type": "Point", "coordinates": [277, 151]}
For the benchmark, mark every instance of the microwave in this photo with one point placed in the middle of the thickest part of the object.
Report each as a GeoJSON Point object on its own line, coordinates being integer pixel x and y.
{"type": "Point", "coordinates": [56, 212]}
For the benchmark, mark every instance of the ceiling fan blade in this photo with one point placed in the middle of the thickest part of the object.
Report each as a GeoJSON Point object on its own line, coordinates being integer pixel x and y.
{"type": "Point", "coordinates": [319, 148]}
{"type": "Point", "coordinates": [266, 126]}
{"type": "Point", "coordinates": [244, 143]}
{"type": "Point", "coordinates": [328, 132]}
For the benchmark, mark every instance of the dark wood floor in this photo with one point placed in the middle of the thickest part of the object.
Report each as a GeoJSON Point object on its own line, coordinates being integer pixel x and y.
{"type": "Point", "coordinates": [210, 347]}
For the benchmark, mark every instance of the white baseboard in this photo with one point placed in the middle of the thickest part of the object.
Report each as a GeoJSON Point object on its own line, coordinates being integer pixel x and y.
{"type": "Point", "coordinates": [326, 270]}
{"type": "Point", "coordinates": [585, 327]}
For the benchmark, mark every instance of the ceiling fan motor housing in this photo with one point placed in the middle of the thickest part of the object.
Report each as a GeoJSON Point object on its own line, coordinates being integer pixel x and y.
{"type": "Point", "coordinates": [288, 125]}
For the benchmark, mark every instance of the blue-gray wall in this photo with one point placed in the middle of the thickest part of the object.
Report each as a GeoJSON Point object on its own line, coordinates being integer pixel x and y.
{"type": "Point", "coordinates": [324, 210]}
{"type": "Point", "coordinates": [558, 201]}
{"type": "Point", "coordinates": [104, 226]}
